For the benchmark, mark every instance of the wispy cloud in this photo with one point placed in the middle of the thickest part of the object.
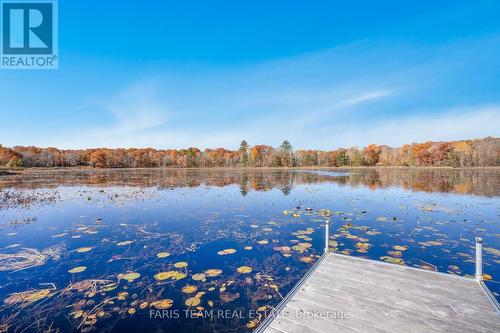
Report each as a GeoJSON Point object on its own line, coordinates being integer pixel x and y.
{"type": "Point", "coordinates": [137, 109]}
{"type": "Point", "coordinates": [451, 124]}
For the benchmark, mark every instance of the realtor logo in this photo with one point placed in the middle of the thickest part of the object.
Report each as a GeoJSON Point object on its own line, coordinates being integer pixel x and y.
{"type": "Point", "coordinates": [29, 34]}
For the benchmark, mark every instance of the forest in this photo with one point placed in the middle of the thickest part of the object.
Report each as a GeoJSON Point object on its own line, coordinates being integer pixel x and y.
{"type": "Point", "coordinates": [465, 153]}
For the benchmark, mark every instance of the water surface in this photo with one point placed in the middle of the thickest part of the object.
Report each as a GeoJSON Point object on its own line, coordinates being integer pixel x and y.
{"type": "Point", "coordinates": [95, 250]}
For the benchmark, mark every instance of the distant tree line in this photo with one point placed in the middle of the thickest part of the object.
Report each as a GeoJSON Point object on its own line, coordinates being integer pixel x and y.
{"type": "Point", "coordinates": [465, 153]}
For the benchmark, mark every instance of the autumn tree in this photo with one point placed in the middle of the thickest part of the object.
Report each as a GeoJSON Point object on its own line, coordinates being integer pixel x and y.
{"type": "Point", "coordinates": [464, 153]}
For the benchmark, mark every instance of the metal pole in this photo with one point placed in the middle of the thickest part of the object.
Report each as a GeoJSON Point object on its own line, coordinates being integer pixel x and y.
{"type": "Point", "coordinates": [327, 236]}
{"type": "Point", "coordinates": [479, 259]}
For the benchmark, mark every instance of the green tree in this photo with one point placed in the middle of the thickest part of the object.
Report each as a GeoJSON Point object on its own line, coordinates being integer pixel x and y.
{"type": "Point", "coordinates": [342, 159]}
{"type": "Point", "coordinates": [244, 152]}
{"type": "Point", "coordinates": [286, 153]}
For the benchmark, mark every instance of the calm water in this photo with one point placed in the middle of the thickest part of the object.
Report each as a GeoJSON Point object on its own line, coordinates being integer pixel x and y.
{"type": "Point", "coordinates": [82, 250]}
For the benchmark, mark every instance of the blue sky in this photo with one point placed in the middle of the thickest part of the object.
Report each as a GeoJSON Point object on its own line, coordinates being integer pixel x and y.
{"type": "Point", "coordinates": [322, 74]}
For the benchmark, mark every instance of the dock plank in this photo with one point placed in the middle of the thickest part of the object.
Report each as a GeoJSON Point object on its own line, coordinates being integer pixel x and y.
{"type": "Point", "coordinates": [380, 297]}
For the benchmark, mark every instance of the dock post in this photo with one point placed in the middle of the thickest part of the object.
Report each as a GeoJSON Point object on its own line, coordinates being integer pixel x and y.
{"type": "Point", "coordinates": [327, 236]}
{"type": "Point", "coordinates": [479, 259]}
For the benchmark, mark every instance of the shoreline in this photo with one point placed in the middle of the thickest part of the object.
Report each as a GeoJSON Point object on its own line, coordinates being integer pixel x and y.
{"type": "Point", "coordinates": [6, 172]}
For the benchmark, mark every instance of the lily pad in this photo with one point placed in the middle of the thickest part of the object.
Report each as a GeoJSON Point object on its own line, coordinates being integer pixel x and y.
{"type": "Point", "coordinates": [192, 301]}
{"type": "Point", "coordinates": [244, 269]}
{"type": "Point", "coordinates": [213, 272]}
{"type": "Point", "coordinates": [180, 264]}
{"type": "Point", "coordinates": [162, 304]}
{"type": "Point", "coordinates": [129, 276]}
{"type": "Point", "coordinates": [77, 269]}
{"type": "Point", "coordinates": [199, 277]}
{"type": "Point", "coordinates": [226, 251]}
{"type": "Point", "coordinates": [189, 289]}
{"type": "Point", "coordinates": [83, 249]}
{"type": "Point", "coordinates": [162, 254]}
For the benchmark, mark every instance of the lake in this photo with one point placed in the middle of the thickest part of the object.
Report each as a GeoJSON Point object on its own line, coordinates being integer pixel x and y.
{"type": "Point", "coordinates": [213, 250]}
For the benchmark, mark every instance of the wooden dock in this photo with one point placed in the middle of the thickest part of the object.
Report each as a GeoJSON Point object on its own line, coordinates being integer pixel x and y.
{"type": "Point", "coordinates": [348, 294]}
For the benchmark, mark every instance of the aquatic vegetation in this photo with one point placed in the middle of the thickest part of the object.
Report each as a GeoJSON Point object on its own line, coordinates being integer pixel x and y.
{"type": "Point", "coordinates": [130, 277]}
{"type": "Point", "coordinates": [28, 297]}
{"type": "Point", "coordinates": [162, 254]}
{"type": "Point", "coordinates": [430, 243]}
{"type": "Point", "coordinates": [28, 258]}
{"type": "Point", "coordinates": [173, 275]}
{"type": "Point", "coordinates": [198, 277]}
{"type": "Point", "coordinates": [83, 249]}
{"type": "Point", "coordinates": [226, 251]}
{"type": "Point", "coordinates": [192, 301]}
{"type": "Point", "coordinates": [362, 247]}
{"type": "Point", "coordinates": [301, 247]}
{"type": "Point", "coordinates": [162, 304]}
{"type": "Point", "coordinates": [244, 269]}
{"type": "Point", "coordinates": [213, 272]}
{"type": "Point", "coordinates": [393, 260]}
{"type": "Point", "coordinates": [77, 269]}
{"type": "Point", "coordinates": [189, 289]}
{"type": "Point", "coordinates": [180, 264]}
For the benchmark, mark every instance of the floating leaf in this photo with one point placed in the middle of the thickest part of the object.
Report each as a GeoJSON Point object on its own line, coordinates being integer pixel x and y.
{"type": "Point", "coordinates": [263, 242]}
{"type": "Point", "coordinates": [430, 243]}
{"type": "Point", "coordinates": [129, 276]}
{"type": "Point", "coordinates": [396, 254]}
{"type": "Point", "coordinates": [199, 277]}
{"type": "Point", "coordinates": [78, 269]}
{"type": "Point", "coordinates": [244, 269]}
{"type": "Point", "coordinates": [392, 260]}
{"type": "Point", "coordinates": [143, 305]}
{"type": "Point", "coordinates": [162, 304]}
{"type": "Point", "coordinates": [131, 311]}
{"type": "Point", "coordinates": [174, 275]}
{"type": "Point", "coordinates": [400, 247]}
{"type": "Point", "coordinates": [487, 277]}
{"type": "Point", "coordinates": [180, 264]}
{"type": "Point", "coordinates": [122, 295]}
{"type": "Point", "coordinates": [109, 287]}
{"type": "Point", "coordinates": [189, 289]}
{"type": "Point", "coordinates": [226, 251]}
{"type": "Point", "coordinates": [83, 249]}
{"type": "Point", "coordinates": [248, 248]}
{"type": "Point", "coordinates": [362, 247]}
{"type": "Point", "coordinates": [213, 272]}
{"type": "Point", "coordinates": [252, 323]}
{"type": "Point", "coordinates": [162, 254]}
{"type": "Point", "coordinates": [307, 260]}
{"type": "Point", "coordinates": [192, 301]}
